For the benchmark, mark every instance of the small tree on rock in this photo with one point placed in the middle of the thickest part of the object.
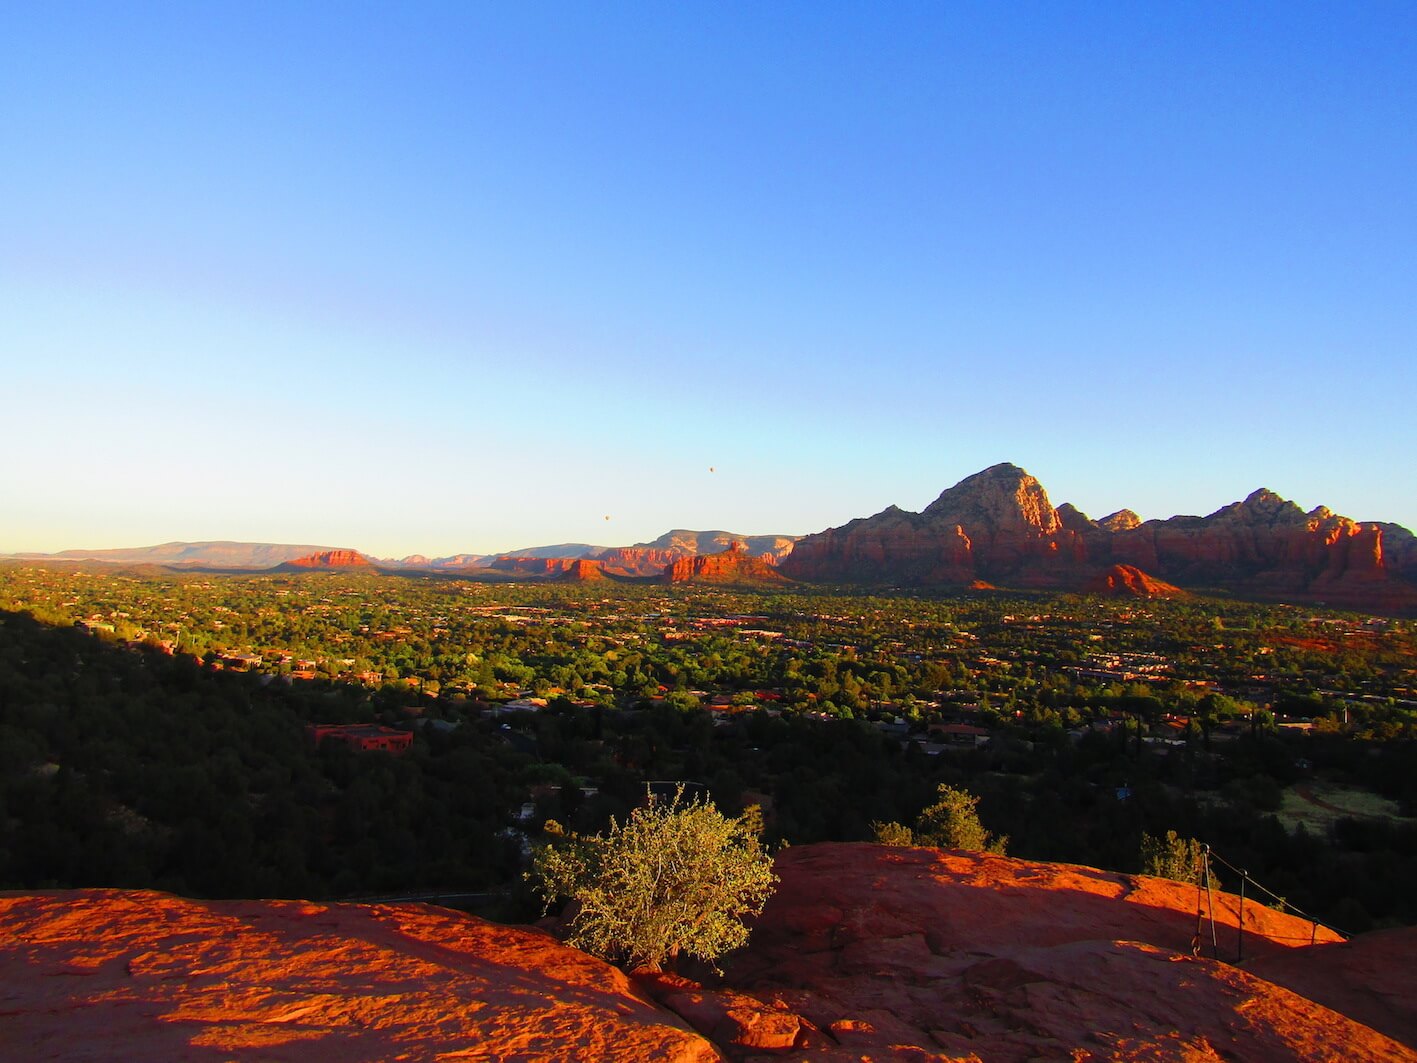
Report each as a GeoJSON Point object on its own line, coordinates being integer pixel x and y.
{"type": "Point", "coordinates": [676, 878]}
{"type": "Point", "coordinates": [892, 833]}
{"type": "Point", "coordinates": [1179, 859]}
{"type": "Point", "coordinates": [952, 823]}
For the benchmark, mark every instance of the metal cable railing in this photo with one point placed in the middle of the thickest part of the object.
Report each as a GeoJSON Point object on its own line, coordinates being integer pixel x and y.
{"type": "Point", "coordinates": [1205, 908]}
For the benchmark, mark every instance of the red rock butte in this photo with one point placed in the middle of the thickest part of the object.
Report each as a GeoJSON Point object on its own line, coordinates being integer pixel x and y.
{"type": "Point", "coordinates": [734, 565]}
{"type": "Point", "coordinates": [331, 559]}
{"type": "Point", "coordinates": [998, 526]}
{"type": "Point", "coordinates": [864, 953]}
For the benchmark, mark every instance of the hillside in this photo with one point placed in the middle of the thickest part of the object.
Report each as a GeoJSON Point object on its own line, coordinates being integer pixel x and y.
{"type": "Point", "coordinates": [865, 952]}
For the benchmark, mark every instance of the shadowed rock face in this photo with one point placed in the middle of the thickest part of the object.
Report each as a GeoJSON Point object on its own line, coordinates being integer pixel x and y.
{"type": "Point", "coordinates": [1372, 978]}
{"type": "Point", "coordinates": [999, 527]}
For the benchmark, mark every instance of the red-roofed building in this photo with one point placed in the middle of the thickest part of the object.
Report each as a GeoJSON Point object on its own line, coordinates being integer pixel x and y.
{"type": "Point", "coordinates": [360, 736]}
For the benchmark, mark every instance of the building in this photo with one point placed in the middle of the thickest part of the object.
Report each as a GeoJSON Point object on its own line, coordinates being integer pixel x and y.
{"type": "Point", "coordinates": [363, 737]}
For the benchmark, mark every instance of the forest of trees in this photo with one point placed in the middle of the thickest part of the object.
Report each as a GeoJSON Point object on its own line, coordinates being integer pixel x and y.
{"type": "Point", "coordinates": [129, 763]}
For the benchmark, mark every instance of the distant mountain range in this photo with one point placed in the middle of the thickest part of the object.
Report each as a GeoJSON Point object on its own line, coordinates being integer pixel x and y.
{"type": "Point", "coordinates": [996, 528]}
{"type": "Point", "coordinates": [641, 560]}
{"type": "Point", "coordinates": [219, 554]}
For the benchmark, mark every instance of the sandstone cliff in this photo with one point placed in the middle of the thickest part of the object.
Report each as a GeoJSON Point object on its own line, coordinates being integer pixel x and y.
{"type": "Point", "coordinates": [998, 526]}
{"type": "Point", "coordinates": [734, 565]}
{"type": "Point", "coordinates": [582, 570]}
{"type": "Point", "coordinates": [329, 559]}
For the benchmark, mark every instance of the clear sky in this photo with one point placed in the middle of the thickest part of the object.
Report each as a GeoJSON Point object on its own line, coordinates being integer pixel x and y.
{"type": "Point", "coordinates": [468, 277]}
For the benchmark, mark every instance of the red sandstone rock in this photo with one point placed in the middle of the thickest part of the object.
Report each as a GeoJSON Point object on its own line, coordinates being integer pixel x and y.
{"type": "Point", "coordinates": [331, 559]}
{"type": "Point", "coordinates": [734, 565]}
{"type": "Point", "coordinates": [1132, 582]}
{"type": "Point", "coordinates": [998, 526]}
{"type": "Point", "coordinates": [923, 954]}
{"type": "Point", "coordinates": [1372, 978]}
{"type": "Point", "coordinates": [537, 567]}
{"type": "Point", "coordinates": [638, 560]}
{"type": "Point", "coordinates": [582, 570]}
{"type": "Point", "coordinates": [734, 1021]}
{"type": "Point", "coordinates": [865, 953]}
{"type": "Point", "coordinates": [108, 974]}
{"type": "Point", "coordinates": [1122, 520]}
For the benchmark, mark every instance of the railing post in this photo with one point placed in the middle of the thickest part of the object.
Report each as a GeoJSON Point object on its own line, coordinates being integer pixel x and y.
{"type": "Point", "coordinates": [1240, 940]}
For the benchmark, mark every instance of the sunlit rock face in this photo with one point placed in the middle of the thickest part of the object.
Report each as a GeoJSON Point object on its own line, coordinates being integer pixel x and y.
{"type": "Point", "coordinates": [998, 527]}
{"type": "Point", "coordinates": [330, 559]}
{"type": "Point", "coordinates": [108, 974]}
{"type": "Point", "coordinates": [1128, 581]}
{"type": "Point", "coordinates": [864, 953]}
{"type": "Point", "coordinates": [734, 565]}
{"type": "Point", "coordinates": [900, 953]}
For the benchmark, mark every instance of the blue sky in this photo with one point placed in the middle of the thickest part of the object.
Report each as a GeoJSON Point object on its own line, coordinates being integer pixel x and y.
{"type": "Point", "coordinates": [470, 277]}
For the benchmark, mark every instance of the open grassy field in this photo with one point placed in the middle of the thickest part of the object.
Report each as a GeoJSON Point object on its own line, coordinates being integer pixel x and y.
{"type": "Point", "coordinates": [1319, 804]}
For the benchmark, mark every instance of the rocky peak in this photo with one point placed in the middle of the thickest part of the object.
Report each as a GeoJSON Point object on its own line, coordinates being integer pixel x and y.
{"type": "Point", "coordinates": [1001, 498]}
{"type": "Point", "coordinates": [1260, 508]}
{"type": "Point", "coordinates": [1074, 519]}
{"type": "Point", "coordinates": [1122, 520]}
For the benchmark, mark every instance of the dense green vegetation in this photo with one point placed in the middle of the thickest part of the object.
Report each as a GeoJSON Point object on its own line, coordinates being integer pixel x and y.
{"type": "Point", "coordinates": [162, 744]}
{"type": "Point", "coordinates": [677, 877]}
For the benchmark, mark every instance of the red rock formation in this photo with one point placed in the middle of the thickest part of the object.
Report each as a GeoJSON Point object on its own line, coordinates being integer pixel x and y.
{"type": "Point", "coordinates": [1126, 581]}
{"type": "Point", "coordinates": [536, 567]}
{"type": "Point", "coordinates": [1372, 978]}
{"type": "Point", "coordinates": [734, 565]}
{"type": "Point", "coordinates": [108, 974]}
{"type": "Point", "coordinates": [330, 559]}
{"type": "Point", "coordinates": [865, 952]}
{"type": "Point", "coordinates": [651, 559]}
{"type": "Point", "coordinates": [1268, 547]}
{"type": "Point", "coordinates": [638, 560]}
{"type": "Point", "coordinates": [1122, 520]}
{"type": "Point", "coordinates": [921, 954]}
{"type": "Point", "coordinates": [998, 526]}
{"type": "Point", "coordinates": [582, 570]}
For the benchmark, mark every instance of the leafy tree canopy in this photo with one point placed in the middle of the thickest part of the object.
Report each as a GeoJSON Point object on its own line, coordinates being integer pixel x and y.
{"type": "Point", "coordinates": [677, 878]}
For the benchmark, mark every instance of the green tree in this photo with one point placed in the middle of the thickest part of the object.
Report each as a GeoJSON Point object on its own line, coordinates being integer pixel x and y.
{"type": "Point", "coordinates": [1173, 857]}
{"type": "Point", "coordinates": [892, 833]}
{"type": "Point", "coordinates": [953, 823]}
{"type": "Point", "coordinates": [675, 878]}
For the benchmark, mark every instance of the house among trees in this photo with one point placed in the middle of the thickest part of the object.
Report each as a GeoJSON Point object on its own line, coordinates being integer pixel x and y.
{"type": "Point", "coordinates": [360, 736]}
{"type": "Point", "coordinates": [959, 734]}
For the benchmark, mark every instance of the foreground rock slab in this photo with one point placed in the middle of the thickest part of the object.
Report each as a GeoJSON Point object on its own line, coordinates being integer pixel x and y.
{"type": "Point", "coordinates": [108, 974]}
{"type": "Point", "coordinates": [920, 954]}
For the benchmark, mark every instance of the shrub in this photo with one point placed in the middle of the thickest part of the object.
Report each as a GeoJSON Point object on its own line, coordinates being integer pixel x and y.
{"type": "Point", "coordinates": [892, 833]}
{"type": "Point", "coordinates": [676, 878]}
{"type": "Point", "coordinates": [952, 823]}
{"type": "Point", "coordinates": [1179, 859]}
